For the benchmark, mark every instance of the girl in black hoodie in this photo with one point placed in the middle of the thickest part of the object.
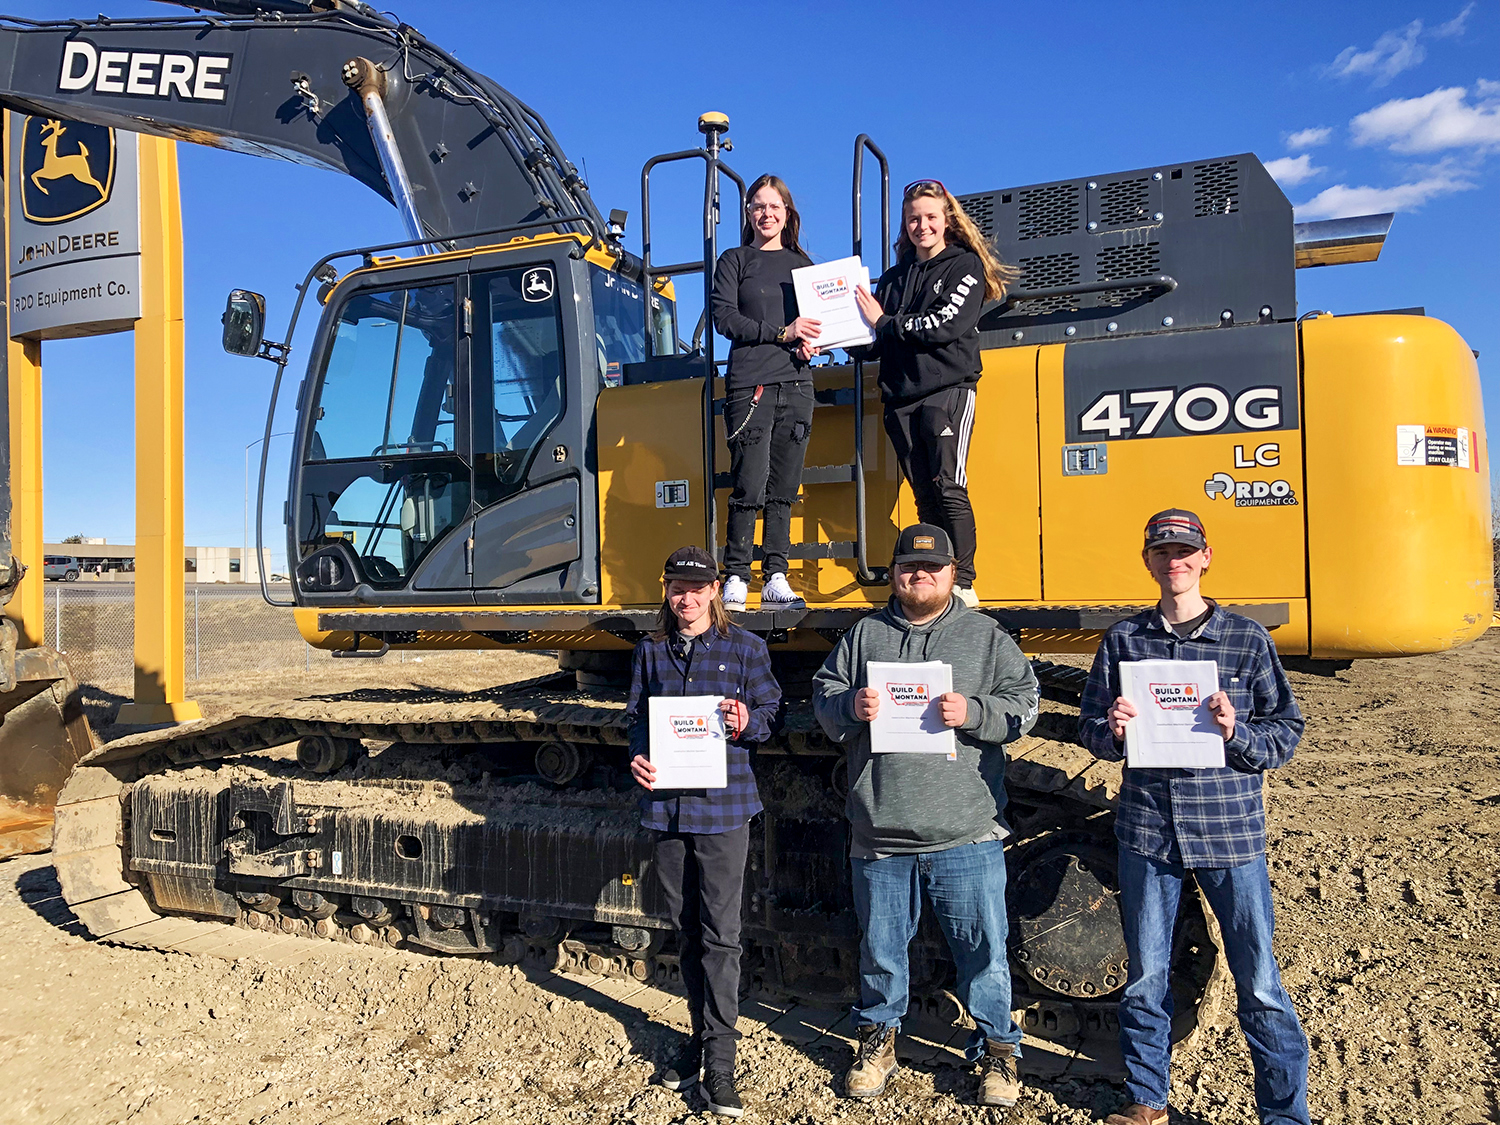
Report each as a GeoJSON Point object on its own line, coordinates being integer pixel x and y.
{"type": "Point", "coordinates": [926, 322]}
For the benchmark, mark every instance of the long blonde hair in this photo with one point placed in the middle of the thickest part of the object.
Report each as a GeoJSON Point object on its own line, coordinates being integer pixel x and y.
{"type": "Point", "coordinates": [961, 230]}
{"type": "Point", "coordinates": [791, 233]}
{"type": "Point", "coordinates": [666, 620]}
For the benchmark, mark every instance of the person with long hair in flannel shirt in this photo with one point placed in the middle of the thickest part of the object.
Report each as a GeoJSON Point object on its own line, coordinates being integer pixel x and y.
{"type": "Point", "coordinates": [703, 836]}
{"type": "Point", "coordinates": [1211, 822]}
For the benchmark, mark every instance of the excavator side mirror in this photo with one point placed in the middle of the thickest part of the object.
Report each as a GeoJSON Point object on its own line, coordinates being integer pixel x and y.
{"type": "Point", "coordinates": [244, 322]}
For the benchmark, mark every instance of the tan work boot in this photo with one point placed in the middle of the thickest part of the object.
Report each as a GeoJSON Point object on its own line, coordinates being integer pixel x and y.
{"type": "Point", "coordinates": [874, 1063]}
{"type": "Point", "coordinates": [1137, 1114]}
{"type": "Point", "coordinates": [999, 1083]}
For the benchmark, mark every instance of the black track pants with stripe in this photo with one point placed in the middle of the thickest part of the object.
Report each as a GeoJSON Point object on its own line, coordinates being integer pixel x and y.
{"type": "Point", "coordinates": [931, 436]}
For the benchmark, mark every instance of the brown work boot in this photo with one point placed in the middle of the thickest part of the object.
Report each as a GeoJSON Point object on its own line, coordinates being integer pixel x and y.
{"type": "Point", "coordinates": [1137, 1114]}
{"type": "Point", "coordinates": [874, 1063]}
{"type": "Point", "coordinates": [999, 1083]}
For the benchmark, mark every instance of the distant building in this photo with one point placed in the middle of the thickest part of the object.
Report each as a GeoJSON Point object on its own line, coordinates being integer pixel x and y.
{"type": "Point", "coordinates": [202, 564]}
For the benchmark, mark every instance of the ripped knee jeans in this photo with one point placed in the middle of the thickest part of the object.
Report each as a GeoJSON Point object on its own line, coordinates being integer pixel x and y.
{"type": "Point", "coordinates": [765, 466]}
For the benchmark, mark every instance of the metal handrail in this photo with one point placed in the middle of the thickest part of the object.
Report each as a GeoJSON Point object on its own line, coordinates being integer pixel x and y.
{"type": "Point", "coordinates": [861, 143]}
{"type": "Point", "coordinates": [1164, 282]}
{"type": "Point", "coordinates": [712, 167]}
{"type": "Point", "coordinates": [866, 576]}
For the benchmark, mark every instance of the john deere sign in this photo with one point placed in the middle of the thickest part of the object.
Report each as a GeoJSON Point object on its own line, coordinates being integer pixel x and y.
{"type": "Point", "coordinates": [75, 239]}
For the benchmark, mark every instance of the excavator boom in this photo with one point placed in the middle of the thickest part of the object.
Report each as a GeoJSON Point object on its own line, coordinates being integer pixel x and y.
{"type": "Point", "coordinates": [344, 89]}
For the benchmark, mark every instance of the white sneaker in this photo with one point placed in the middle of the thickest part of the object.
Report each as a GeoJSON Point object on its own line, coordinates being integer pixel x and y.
{"type": "Point", "coordinates": [967, 595]}
{"type": "Point", "coordinates": [734, 592]}
{"type": "Point", "coordinates": [777, 591]}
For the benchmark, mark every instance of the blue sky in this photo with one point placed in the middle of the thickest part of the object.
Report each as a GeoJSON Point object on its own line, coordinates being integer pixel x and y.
{"type": "Point", "coordinates": [1356, 107]}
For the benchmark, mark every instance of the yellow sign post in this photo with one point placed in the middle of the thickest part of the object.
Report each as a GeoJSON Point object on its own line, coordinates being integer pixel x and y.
{"type": "Point", "coordinates": [24, 358]}
{"type": "Point", "coordinates": [160, 690]}
{"type": "Point", "coordinates": [54, 294]}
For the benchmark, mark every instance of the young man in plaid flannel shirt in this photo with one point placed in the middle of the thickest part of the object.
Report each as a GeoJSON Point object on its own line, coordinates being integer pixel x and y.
{"type": "Point", "coordinates": [1211, 822]}
{"type": "Point", "coordinates": [703, 836]}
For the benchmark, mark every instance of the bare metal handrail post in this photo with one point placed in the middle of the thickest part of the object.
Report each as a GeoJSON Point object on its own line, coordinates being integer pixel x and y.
{"type": "Point", "coordinates": [867, 577]}
{"type": "Point", "coordinates": [713, 126]}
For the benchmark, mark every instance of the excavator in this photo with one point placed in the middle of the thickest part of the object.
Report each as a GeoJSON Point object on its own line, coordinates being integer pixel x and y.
{"type": "Point", "coordinates": [501, 433]}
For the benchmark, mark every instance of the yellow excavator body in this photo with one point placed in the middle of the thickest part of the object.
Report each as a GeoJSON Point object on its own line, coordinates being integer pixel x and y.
{"type": "Point", "coordinates": [1370, 553]}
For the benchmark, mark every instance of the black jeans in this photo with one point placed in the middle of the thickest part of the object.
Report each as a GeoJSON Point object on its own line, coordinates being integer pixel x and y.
{"type": "Point", "coordinates": [765, 465]}
{"type": "Point", "coordinates": [703, 881]}
{"type": "Point", "coordinates": [931, 436]}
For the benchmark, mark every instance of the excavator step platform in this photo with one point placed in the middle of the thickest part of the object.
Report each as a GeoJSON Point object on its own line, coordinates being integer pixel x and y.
{"type": "Point", "coordinates": [517, 627]}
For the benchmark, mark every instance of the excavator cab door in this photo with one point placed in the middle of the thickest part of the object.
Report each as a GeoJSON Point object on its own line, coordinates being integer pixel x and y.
{"type": "Point", "coordinates": [442, 436]}
{"type": "Point", "coordinates": [533, 396]}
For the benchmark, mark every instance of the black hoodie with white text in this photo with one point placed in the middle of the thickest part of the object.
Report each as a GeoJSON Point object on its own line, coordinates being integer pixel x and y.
{"type": "Point", "coordinates": [928, 339]}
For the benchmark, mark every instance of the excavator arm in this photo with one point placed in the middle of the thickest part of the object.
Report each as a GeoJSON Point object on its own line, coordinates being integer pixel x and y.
{"type": "Point", "coordinates": [336, 87]}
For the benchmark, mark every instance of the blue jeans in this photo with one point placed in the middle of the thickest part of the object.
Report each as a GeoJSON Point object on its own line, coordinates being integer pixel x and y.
{"type": "Point", "coordinates": [1241, 901]}
{"type": "Point", "coordinates": [966, 886]}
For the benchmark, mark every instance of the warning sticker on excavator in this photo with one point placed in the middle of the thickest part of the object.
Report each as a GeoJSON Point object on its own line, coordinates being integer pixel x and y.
{"type": "Point", "coordinates": [1433, 445]}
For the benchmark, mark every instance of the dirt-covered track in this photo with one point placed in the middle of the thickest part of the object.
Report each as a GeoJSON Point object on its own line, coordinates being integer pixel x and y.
{"type": "Point", "coordinates": [421, 755]}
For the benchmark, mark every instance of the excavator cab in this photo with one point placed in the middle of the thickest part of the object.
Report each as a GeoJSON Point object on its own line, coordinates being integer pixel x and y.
{"type": "Point", "coordinates": [443, 451]}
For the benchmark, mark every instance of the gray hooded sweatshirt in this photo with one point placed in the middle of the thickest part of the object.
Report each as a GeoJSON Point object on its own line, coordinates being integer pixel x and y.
{"type": "Point", "coordinates": [902, 804]}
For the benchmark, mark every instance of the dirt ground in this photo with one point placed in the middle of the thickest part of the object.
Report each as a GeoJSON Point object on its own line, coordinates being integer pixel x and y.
{"type": "Point", "coordinates": [1385, 849]}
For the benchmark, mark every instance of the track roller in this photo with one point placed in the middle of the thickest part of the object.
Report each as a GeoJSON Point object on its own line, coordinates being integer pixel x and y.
{"type": "Point", "coordinates": [324, 753]}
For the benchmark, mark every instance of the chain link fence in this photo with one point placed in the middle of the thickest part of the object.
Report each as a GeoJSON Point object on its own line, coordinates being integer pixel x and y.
{"type": "Point", "coordinates": [228, 631]}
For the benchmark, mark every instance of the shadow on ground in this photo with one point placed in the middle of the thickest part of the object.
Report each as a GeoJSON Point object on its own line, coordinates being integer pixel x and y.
{"type": "Point", "coordinates": [38, 889]}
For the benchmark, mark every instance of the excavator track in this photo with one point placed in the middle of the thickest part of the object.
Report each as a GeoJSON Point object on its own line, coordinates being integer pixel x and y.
{"type": "Point", "coordinates": [502, 823]}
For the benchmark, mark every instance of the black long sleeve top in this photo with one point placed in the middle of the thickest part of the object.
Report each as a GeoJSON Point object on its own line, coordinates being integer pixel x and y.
{"type": "Point", "coordinates": [752, 301]}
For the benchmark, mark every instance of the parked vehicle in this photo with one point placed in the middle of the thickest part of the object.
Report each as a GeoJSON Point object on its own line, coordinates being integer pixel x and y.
{"type": "Point", "coordinates": [61, 568]}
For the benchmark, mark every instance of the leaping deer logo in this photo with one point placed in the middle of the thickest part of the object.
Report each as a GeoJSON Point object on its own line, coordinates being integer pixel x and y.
{"type": "Point", "coordinates": [55, 167]}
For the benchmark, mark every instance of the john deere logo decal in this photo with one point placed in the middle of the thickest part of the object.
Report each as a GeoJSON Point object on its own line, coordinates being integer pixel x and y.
{"type": "Point", "coordinates": [67, 168]}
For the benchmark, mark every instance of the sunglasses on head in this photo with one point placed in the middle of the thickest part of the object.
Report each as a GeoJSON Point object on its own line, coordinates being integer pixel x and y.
{"type": "Point", "coordinates": [906, 191]}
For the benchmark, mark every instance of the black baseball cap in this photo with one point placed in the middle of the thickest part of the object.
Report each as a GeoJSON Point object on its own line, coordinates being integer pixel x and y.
{"type": "Point", "coordinates": [1175, 525]}
{"type": "Point", "coordinates": [923, 542]}
{"type": "Point", "coordinates": [691, 563]}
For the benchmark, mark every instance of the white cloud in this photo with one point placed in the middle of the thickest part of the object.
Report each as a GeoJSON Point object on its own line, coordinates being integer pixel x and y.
{"type": "Point", "coordinates": [1397, 50]}
{"type": "Point", "coordinates": [1309, 138]}
{"type": "Point", "coordinates": [1440, 120]}
{"type": "Point", "coordinates": [1454, 27]}
{"type": "Point", "coordinates": [1392, 53]}
{"type": "Point", "coordinates": [1341, 200]}
{"type": "Point", "coordinates": [1289, 171]}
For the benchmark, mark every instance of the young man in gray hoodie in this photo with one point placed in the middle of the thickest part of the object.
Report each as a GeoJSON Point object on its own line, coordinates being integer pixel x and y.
{"type": "Point", "coordinates": [923, 820]}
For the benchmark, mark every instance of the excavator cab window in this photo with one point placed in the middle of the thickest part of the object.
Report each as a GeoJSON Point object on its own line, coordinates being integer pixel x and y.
{"type": "Point", "coordinates": [663, 325]}
{"type": "Point", "coordinates": [619, 324]}
{"type": "Point", "coordinates": [619, 327]}
{"type": "Point", "coordinates": [387, 374]}
{"type": "Point", "coordinates": [523, 370]}
{"type": "Point", "coordinates": [383, 473]}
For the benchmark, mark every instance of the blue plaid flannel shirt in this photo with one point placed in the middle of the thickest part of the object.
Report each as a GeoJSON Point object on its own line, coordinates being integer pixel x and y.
{"type": "Point", "coordinates": [1198, 818]}
{"type": "Point", "coordinates": [736, 666]}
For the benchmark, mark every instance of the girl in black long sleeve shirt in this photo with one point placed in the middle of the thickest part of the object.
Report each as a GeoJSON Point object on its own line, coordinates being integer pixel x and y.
{"type": "Point", "coordinates": [768, 394]}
